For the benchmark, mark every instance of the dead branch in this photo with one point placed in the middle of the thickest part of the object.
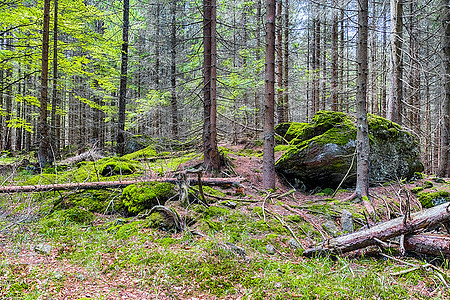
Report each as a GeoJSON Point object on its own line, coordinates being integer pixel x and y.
{"type": "Point", "coordinates": [384, 231]}
{"type": "Point", "coordinates": [112, 184]}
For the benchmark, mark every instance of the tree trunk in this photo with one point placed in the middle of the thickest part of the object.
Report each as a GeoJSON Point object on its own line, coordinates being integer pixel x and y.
{"type": "Point", "coordinates": [445, 123]}
{"type": "Point", "coordinates": [429, 244]}
{"type": "Point", "coordinates": [396, 91]}
{"type": "Point", "coordinates": [334, 59]}
{"type": "Point", "coordinates": [286, 63]}
{"type": "Point", "coordinates": [362, 133]}
{"type": "Point", "coordinates": [211, 152]}
{"type": "Point", "coordinates": [123, 79]}
{"type": "Point", "coordinates": [44, 154]}
{"type": "Point", "coordinates": [157, 62]}
{"type": "Point", "coordinates": [279, 60]}
{"type": "Point", "coordinates": [269, 140]}
{"type": "Point", "coordinates": [396, 227]}
{"type": "Point", "coordinates": [54, 127]}
{"type": "Point", "coordinates": [173, 70]}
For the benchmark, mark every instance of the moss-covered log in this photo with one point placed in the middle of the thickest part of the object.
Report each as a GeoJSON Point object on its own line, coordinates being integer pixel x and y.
{"type": "Point", "coordinates": [396, 227]}
{"type": "Point", "coordinates": [112, 184]}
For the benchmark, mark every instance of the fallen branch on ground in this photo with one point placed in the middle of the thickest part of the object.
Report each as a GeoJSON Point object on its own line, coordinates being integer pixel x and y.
{"type": "Point", "coordinates": [113, 184]}
{"type": "Point", "coordinates": [384, 231]}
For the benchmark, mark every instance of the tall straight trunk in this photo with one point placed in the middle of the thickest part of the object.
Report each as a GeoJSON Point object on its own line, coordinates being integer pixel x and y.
{"type": "Point", "coordinates": [341, 64]}
{"type": "Point", "coordinates": [334, 59]}
{"type": "Point", "coordinates": [445, 123]}
{"type": "Point", "coordinates": [157, 62]}
{"type": "Point", "coordinates": [211, 152]}
{"type": "Point", "coordinates": [123, 79]}
{"type": "Point", "coordinates": [362, 133]}
{"type": "Point", "coordinates": [279, 60]}
{"type": "Point", "coordinates": [258, 57]}
{"type": "Point", "coordinates": [414, 72]}
{"type": "Point", "coordinates": [323, 76]}
{"type": "Point", "coordinates": [396, 91]}
{"type": "Point", "coordinates": [384, 71]}
{"type": "Point", "coordinates": [286, 62]}
{"type": "Point", "coordinates": [44, 154]}
{"type": "Point", "coordinates": [54, 127]}
{"type": "Point", "coordinates": [317, 68]}
{"type": "Point", "coordinates": [308, 68]}
{"type": "Point", "coordinates": [269, 97]}
{"type": "Point", "coordinates": [2, 82]}
{"type": "Point", "coordinates": [373, 63]}
{"type": "Point", "coordinates": [315, 91]}
{"type": "Point", "coordinates": [8, 101]}
{"type": "Point", "coordinates": [173, 69]}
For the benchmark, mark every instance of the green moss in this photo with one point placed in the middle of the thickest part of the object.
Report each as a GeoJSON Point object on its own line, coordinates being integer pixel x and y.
{"type": "Point", "coordinates": [143, 153]}
{"type": "Point", "coordinates": [382, 127]}
{"type": "Point", "coordinates": [427, 184]}
{"type": "Point", "coordinates": [92, 200]}
{"type": "Point", "coordinates": [72, 215]}
{"type": "Point", "coordinates": [417, 189]}
{"type": "Point", "coordinates": [137, 197]}
{"type": "Point", "coordinates": [432, 199]}
{"type": "Point", "coordinates": [281, 148]}
{"type": "Point", "coordinates": [116, 166]}
{"type": "Point", "coordinates": [42, 179]}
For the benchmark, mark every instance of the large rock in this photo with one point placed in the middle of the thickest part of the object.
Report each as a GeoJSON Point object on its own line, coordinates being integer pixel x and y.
{"type": "Point", "coordinates": [321, 152]}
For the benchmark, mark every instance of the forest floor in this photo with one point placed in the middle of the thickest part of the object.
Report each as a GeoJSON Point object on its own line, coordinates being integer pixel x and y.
{"type": "Point", "coordinates": [244, 252]}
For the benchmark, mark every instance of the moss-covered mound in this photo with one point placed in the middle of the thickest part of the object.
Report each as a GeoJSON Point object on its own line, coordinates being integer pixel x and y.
{"type": "Point", "coordinates": [105, 169]}
{"type": "Point", "coordinates": [322, 151]}
{"type": "Point", "coordinates": [138, 197]}
{"type": "Point", "coordinates": [143, 153]}
{"type": "Point", "coordinates": [96, 201]}
{"type": "Point", "coordinates": [430, 199]}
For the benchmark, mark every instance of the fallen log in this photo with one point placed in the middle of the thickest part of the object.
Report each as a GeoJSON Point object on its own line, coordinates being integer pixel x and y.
{"type": "Point", "coordinates": [383, 231]}
{"type": "Point", "coordinates": [235, 181]}
{"type": "Point", "coordinates": [430, 244]}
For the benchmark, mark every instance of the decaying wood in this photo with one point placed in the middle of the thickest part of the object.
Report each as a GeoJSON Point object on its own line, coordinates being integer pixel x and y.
{"type": "Point", "coordinates": [431, 244]}
{"type": "Point", "coordinates": [113, 184]}
{"type": "Point", "coordinates": [384, 231]}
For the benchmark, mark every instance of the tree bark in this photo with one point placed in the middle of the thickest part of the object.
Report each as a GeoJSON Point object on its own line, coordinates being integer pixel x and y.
{"type": "Point", "coordinates": [211, 152]}
{"type": "Point", "coordinates": [54, 127]}
{"type": "Point", "coordinates": [445, 123]}
{"type": "Point", "coordinates": [286, 63]}
{"type": "Point", "coordinates": [279, 60]}
{"type": "Point", "coordinates": [429, 244]}
{"type": "Point", "coordinates": [396, 227]}
{"type": "Point", "coordinates": [269, 138]}
{"type": "Point", "coordinates": [396, 91]}
{"type": "Point", "coordinates": [362, 133]}
{"type": "Point", "coordinates": [123, 79]}
{"type": "Point", "coordinates": [45, 156]}
{"type": "Point", "coordinates": [334, 59]}
{"type": "Point", "coordinates": [173, 70]}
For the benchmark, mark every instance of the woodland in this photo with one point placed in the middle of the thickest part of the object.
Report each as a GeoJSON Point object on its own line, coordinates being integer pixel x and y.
{"type": "Point", "coordinates": [224, 149]}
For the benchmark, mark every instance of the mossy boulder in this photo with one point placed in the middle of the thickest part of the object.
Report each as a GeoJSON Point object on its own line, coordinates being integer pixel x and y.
{"type": "Point", "coordinates": [142, 153]}
{"type": "Point", "coordinates": [138, 197]}
{"type": "Point", "coordinates": [96, 201]}
{"type": "Point", "coordinates": [431, 199]}
{"type": "Point", "coordinates": [321, 151]}
{"type": "Point", "coordinates": [116, 166]}
{"type": "Point", "coordinates": [161, 220]}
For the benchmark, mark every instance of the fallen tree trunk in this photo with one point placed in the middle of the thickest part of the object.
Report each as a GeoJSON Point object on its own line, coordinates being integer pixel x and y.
{"type": "Point", "coordinates": [430, 244]}
{"type": "Point", "coordinates": [384, 231]}
{"type": "Point", "coordinates": [113, 184]}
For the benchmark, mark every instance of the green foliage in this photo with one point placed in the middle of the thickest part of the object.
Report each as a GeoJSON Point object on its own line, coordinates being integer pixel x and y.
{"type": "Point", "coordinates": [141, 196]}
